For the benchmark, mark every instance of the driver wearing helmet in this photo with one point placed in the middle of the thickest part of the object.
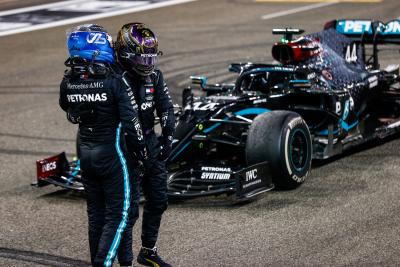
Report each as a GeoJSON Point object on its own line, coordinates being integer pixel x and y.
{"type": "Point", "coordinates": [137, 51]}
{"type": "Point", "coordinates": [96, 94]}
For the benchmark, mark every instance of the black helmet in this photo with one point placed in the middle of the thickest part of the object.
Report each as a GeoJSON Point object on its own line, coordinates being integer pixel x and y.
{"type": "Point", "coordinates": [137, 48]}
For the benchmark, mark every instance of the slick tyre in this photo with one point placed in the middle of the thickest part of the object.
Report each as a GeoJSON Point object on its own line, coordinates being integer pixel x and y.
{"type": "Point", "coordinates": [283, 139]}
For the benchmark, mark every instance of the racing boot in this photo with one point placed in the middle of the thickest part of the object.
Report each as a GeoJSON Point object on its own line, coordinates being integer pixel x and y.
{"type": "Point", "coordinates": [149, 257]}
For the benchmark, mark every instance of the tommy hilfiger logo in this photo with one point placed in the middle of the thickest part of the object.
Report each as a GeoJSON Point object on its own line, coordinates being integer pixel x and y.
{"type": "Point", "coordinates": [149, 90]}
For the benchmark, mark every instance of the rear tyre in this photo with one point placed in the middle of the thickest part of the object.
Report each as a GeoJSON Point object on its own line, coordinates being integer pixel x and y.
{"type": "Point", "coordinates": [283, 139]}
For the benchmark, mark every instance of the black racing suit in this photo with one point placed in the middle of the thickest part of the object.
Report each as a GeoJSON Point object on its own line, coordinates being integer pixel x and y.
{"type": "Point", "coordinates": [102, 104]}
{"type": "Point", "coordinates": [152, 95]}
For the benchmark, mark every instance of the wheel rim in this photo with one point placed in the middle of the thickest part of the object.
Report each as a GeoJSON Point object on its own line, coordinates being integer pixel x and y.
{"type": "Point", "coordinates": [298, 150]}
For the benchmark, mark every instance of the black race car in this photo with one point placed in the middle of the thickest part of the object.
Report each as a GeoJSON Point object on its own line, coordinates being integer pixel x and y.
{"type": "Point", "coordinates": [326, 94]}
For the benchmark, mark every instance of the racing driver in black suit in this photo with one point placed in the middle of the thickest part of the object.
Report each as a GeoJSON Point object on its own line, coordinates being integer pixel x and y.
{"type": "Point", "coordinates": [137, 51]}
{"type": "Point", "coordinates": [97, 95]}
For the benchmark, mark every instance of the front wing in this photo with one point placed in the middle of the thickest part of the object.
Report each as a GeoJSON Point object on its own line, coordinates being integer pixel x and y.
{"type": "Point", "coordinates": [58, 171]}
{"type": "Point", "coordinates": [198, 181]}
{"type": "Point", "coordinates": [192, 182]}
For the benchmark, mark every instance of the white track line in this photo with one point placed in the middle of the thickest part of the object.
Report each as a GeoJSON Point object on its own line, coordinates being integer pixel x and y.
{"type": "Point", "coordinates": [296, 10]}
{"type": "Point", "coordinates": [39, 7]}
{"type": "Point", "coordinates": [84, 18]}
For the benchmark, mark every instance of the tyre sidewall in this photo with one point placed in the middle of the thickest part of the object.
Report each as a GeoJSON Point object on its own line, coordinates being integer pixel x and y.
{"type": "Point", "coordinates": [294, 124]}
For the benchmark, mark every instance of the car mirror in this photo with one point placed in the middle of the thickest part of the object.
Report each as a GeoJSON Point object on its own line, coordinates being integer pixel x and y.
{"type": "Point", "coordinates": [200, 80]}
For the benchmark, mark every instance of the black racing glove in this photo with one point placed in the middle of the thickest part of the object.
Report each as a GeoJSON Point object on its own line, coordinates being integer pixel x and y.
{"type": "Point", "coordinates": [73, 118]}
{"type": "Point", "coordinates": [166, 147]}
{"type": "Point", "coordinates": [139, 158]}
{"type": "Point", "coordinates": [140, 169]}
{"type": "Point", "coordinates": [81, 113]}
{"type": "Point", "coordinates": [142, 155]}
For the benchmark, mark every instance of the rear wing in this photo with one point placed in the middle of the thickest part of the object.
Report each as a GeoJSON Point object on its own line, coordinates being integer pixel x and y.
{"type": "Point", "coordinates": [368, 31]}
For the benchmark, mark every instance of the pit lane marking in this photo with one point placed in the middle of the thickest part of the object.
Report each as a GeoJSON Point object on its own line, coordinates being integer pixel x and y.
{"type": "Point", "coordinates": [68, 12]}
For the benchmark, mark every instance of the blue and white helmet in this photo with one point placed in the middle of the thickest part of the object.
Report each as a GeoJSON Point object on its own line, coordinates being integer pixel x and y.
{"type": "Point", "coordinates": [90, 42]}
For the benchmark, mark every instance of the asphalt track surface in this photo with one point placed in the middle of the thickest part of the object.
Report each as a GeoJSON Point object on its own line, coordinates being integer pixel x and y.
{"type": "Point", "coordinates": [346, 214]}
{"type": "Point", "coordinates": [12, 4]}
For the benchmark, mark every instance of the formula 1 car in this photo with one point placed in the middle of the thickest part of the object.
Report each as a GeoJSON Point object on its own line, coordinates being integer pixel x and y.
{"type": "Point", "coordinates": [326, 95]}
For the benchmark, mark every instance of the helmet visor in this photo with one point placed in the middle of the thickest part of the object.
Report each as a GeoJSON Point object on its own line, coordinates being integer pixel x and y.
{"type": "Point", "coordinates": [148, 60]}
